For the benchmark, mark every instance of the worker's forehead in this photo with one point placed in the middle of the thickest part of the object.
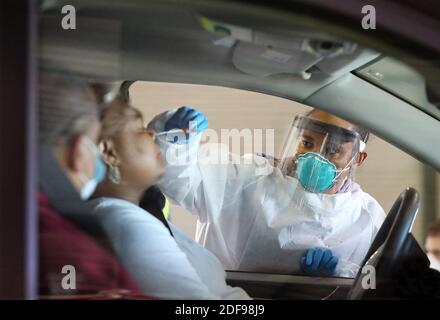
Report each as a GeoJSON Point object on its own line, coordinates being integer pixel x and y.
{"type": "Point", "coordinates": [331, 119]}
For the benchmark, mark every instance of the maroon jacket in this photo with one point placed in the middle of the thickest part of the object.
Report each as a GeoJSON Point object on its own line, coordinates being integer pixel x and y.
{"type": "Point", "coordinates": [99, 275]}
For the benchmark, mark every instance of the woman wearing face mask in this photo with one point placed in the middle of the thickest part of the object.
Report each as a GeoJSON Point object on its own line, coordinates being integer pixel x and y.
{"type": "Point", "coordinates": [165, 262]}
{"type": "Point", "coordinates": [307, 214]}
{"type": "Point", "coordinates": [69, 170]}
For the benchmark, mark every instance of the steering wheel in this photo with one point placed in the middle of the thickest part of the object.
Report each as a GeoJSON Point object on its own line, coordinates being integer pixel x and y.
{"type": "Point", "coordinates": [388, 246]}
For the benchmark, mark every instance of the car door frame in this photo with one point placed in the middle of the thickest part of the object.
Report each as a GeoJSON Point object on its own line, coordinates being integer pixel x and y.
{"type": "Point", "coordinates": [18, 134]}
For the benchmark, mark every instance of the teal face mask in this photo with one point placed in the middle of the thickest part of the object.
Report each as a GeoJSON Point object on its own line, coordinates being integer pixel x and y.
{"type": "Point", "coordinates": [316, 173]}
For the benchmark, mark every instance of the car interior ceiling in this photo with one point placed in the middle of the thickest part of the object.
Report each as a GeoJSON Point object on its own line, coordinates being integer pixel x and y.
{"type": "Point", "coordinates": [319, 79]}
{"type": "Point", "coordinates": [138, 46]}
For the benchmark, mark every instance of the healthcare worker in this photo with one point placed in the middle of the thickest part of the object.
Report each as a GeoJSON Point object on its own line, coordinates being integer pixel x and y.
{"type": "Point", "coordinates": [304, 215]}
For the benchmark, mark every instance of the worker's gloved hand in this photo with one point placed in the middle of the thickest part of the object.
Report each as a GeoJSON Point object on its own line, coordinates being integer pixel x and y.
{"type": "Point", "coordinates": [181, 120]}
{"type": "Point", "coordinates": [319, 262]}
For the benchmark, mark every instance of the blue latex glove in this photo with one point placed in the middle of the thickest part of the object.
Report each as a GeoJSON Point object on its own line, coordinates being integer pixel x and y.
{"type": "Point", "coordinates": [319, 262]}
{"type": "Point", "coordinates": [181, 119]}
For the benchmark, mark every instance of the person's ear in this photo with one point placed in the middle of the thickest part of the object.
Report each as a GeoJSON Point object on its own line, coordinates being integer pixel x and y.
{"type": "Point", "coordinates": [361, 158]}
{"type": "Point", "coordinates": [108, 152]}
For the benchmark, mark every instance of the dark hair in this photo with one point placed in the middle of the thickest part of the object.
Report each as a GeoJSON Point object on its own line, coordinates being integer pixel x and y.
{"type": "Point", "coordinates": [116, 116]}
{"type": "Point", "coordinates": [364, 133]}
{"type": "Point", "coordinates": [434, 229]}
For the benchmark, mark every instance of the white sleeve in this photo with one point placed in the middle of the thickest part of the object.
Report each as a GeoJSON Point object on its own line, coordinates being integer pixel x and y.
{"type": "Point", "coordinates": [204, 179]}
{"type": "Point", "coordinates": [153, 257]}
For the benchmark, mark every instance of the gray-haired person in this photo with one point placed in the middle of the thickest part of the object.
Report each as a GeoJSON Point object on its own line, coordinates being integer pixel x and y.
{"type": "Point", "coordinates": [69, 170]}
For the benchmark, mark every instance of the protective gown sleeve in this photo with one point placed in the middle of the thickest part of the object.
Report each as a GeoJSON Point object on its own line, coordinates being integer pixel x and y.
{"type": "Point", "coordinates": [205, 178]}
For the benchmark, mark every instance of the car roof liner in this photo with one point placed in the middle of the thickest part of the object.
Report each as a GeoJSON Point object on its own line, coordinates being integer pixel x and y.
{"type": "Point", "coordinates": [168, 43]}
{"type": "Point", "coordinates": [206, 42]}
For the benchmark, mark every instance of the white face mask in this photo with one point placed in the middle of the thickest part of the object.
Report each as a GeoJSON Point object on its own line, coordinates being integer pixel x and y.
{"type": "Point", "coordinates": [99, 173]}
{"type": "Point", "coordinates": [88, 189]}
{"type": "Point", "coordinates": [435, 264]}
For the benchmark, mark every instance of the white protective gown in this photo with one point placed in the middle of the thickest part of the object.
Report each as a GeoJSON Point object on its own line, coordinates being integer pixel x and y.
{"type": "Point", "coordinates": [254, 218]}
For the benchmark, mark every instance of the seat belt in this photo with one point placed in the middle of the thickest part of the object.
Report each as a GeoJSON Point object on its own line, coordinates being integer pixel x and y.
{"type": "Point", "coordinates": [153, 201]}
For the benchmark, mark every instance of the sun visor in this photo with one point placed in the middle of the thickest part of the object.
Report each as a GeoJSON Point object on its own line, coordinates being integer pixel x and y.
{"type": "Point", "coordinates": [262, 60]}
{"type": "Point", "coordinates": [350, 58]}
{"type": "Point", "coordinates": [270, 54]}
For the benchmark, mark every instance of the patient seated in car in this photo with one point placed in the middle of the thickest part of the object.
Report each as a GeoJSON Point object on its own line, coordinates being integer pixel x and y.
{"type": "Point", "coordinates": [72, 262]}
{"type": "Point", "coordinates": [161, 258]}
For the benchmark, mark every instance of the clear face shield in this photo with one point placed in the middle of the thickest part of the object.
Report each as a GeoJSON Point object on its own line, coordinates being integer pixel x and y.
{"type": "Point", "coordinates": [321, 156]}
